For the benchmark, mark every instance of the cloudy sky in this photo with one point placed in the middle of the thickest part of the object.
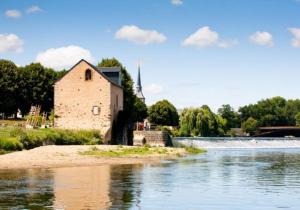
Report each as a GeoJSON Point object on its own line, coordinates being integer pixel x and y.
{"type": "Point", "coordinates": [192, 52]}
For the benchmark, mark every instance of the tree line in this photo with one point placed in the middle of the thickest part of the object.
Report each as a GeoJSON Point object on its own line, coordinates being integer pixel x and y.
{"type": "Point", "coordinates": [21, 87]}
{"type": "Point", "coordinates": [201, 121]}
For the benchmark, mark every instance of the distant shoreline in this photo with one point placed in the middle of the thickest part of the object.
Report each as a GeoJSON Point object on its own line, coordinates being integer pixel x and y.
{"type": "Point", "coordinates": [69, 156]}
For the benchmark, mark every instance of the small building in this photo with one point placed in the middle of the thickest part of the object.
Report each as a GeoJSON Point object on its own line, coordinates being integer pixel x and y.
{"type": "Point", "coordinates": [88, 97]}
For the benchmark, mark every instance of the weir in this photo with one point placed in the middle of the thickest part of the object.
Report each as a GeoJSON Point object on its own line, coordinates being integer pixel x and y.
{"type": "Point", "coordinates": [238, 142]}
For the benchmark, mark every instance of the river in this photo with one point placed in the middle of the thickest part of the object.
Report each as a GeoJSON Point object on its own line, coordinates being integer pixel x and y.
{"type": "Point", "coordinates": [223, 178]}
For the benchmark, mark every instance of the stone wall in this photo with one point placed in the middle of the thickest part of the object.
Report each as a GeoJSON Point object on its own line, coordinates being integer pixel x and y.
{"type": "Point", "coordinates": [76, 101]}
{"type": "Point", "coordinates": [151, 138]}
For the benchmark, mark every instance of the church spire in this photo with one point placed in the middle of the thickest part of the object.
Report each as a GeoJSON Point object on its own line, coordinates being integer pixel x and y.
{"type": "Point", "coordinates": [139, 88]}
{"type": "Point", "coordinates": [139, 83]}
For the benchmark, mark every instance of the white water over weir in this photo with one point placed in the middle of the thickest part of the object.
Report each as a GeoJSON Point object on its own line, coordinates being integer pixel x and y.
{"type": "Point", "coordinates": [238, 142]}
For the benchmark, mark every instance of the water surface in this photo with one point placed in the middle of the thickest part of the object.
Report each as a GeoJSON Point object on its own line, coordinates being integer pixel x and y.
{"type": "Point", "coordinates": [221, 179]}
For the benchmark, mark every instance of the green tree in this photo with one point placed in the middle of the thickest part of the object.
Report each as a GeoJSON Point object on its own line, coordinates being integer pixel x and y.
{"type": "Point", "coordinates": [8, 87]}
{"type": "Point", "coordinates": [35, 87]}
{"type": "Point", "coordinates": [297, 119]}
{"type": "Point", "coordinates": [163, 113]}
{"type": "Point", "coordinates": [141, 112]}
{"type": "Point", "coordinates": [250, 126]}
{"type": "Point", "coordinates": [267, 112]}
{"type": "Point", "coordinates": [201, 122]}
{"type": "Point", "coordinates": [232, 117]}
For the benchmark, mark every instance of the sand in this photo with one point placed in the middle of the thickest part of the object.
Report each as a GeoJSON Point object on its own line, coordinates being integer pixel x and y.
{"type": "Point", "coordinates": [69, 156]}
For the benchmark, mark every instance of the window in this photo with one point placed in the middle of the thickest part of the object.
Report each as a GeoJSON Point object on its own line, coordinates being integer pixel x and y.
{"type": "Point", "coordinates": [117, 100]}
{"type": "Point", "coordinates": [96, 110]}
{"type": "Point", "coordinates": [88, 74]}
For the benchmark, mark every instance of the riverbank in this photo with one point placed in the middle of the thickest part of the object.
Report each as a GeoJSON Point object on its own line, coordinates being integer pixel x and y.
{"type": "Point", "coordinates": [53, 156]}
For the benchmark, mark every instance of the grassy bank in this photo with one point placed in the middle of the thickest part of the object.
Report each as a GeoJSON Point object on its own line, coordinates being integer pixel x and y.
{"type": "Point", "coordinates": [12, 139]}
{"type": "Point", "coordinates": [121, 151]}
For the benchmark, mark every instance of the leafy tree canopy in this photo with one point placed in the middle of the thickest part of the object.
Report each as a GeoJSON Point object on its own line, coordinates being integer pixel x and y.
{"type": "Point", "coordinates": [163, 113]}
{"type": "Point", "coordinates": [202, 122]}
{"type": "Point", "coordinates": [8, 86]}
{"type": "Point", "coordinates": [250, 126]}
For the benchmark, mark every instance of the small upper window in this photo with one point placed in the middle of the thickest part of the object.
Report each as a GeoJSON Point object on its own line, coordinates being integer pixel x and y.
{"type": "Point", "coordinates": [88, 74]}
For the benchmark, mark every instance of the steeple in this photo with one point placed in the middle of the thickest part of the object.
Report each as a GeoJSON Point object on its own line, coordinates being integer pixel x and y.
{"type": "Point", "coordinates": [139, 88]}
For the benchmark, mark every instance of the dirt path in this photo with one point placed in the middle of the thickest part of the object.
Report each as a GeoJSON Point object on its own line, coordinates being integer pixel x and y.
{"type": "Point", "coordinates": [68, 156]}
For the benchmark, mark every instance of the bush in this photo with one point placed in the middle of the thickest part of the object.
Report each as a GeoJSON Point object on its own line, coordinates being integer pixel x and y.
{"type": "Point", "coordinates": [10, 144]}
{"type": "Point", "coordinates": [18, 138]}
{"type": "Point", "coordinates": [36, 138]}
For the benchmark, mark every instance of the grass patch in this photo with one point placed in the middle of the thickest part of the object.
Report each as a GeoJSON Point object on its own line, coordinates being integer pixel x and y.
{"type": "Point", "coordinates": [191, 149]}
{"type": "Point", "coordinates": [194, 150]}
{"type": "Point", "coordinates": [12, 139]}
{"type": "Point", "coordinates": [127, 151]}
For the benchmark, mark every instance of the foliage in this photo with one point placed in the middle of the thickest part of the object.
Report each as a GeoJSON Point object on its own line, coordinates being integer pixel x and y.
{"type": "Point", "coordinates": [127, 151]}
{"type": "Point", "coordinates": [269, 112]}
{"type": "Point", "coordinates": [163, 113]}
{"type": "Point", "coordinates": [41, 137]}
{"type": "Point", "coordinates": [250, 126]}
{"type": "Point", "coordinates": [25, 86]}
{"type": "Point", "coordinates": [201, 122]}
{"type": "Point", "coordinates": [190, 149]}
{"type": "Point", "coordinates": [18, 138]}
{"type": "Point", "coordinates": [232, 117]}
{"type": "Point", "coordinates": [194, 150]}
{"type": "Point", "coordinates": [297, 119]}
{"type": "Point", "coordinates": [10, 144]}
{"type": "Point", "coordinates": [8, 87]}
{"type": "Point", "coordinates": [35, 86]}
{"type": "Point", "coordinates": [141, 112]}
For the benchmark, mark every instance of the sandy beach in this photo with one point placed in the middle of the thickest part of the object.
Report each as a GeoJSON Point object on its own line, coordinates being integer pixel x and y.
{"type": "Point", "coordinates": [69, 156]}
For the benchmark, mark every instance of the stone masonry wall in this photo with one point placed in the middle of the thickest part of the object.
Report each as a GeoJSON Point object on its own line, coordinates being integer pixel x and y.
{"type": "Point", "coordinates": [75, 99]}
{"type": "Point", "coordinates": [152, 138]}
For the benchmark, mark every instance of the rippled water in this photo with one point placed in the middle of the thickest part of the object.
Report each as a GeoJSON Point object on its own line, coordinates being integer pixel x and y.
{"type": "Point", "coordinates": [239, 142]}
{"type": "Point", "coordinates": [221, 179]}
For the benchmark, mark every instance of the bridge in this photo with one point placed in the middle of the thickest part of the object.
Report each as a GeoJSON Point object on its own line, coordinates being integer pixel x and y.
{"type": "Point", "coordinates": [278, 131]}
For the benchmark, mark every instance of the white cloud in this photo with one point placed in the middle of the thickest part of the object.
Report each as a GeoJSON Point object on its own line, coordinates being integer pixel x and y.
{"type": "Point", "coordinates": [13, 13]}
{"type": "Point", "coordinates": [296, 33]}
{"type": "Point", "coordinates": [205, 37]}
{"type": "Point", "coordinates": [262, 38]}
{"type": "Point", "coordinates": [134, 34]}
{"type": "Point", "coordinates": [177, 2]}
{"type": "Point", "coordinates": [64, 57]}
{"type": "Point", "coordinates": [10, 42]}
{"type": "Point", "coordinates": [153, 89]}
{"type": "Point", "coordinates": [33, 9]}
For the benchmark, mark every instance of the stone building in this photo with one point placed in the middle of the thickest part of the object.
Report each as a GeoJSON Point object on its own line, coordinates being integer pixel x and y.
{"type": "Point", "coordinates": [88, 97]}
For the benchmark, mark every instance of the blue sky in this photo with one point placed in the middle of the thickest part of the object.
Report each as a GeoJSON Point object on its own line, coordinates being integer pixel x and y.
{"type": "Point", "coordinates": [192, 52]}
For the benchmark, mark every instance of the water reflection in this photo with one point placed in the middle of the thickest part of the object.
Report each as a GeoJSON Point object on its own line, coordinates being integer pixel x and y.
{"type": "Point", "coordinates": [220, 179]}
{"type": "Point", "coordinates": [98, 187]}
{"type": "Point", "coordinates": [26, 189]}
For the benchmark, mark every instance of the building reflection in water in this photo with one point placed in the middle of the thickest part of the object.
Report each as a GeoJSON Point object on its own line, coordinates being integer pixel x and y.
{"type": "Point", "coordinates": [94, 187]}
{"type": "Point", "coordinates": [99, 187]}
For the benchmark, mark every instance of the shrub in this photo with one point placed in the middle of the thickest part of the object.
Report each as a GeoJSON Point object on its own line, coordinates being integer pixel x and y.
{"type": "Point", "coordinates": [36, 138]}
{"type": "Point", "coordinates": [10, 144]}
{"type": "Point", "coordinates": [17, 138]}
